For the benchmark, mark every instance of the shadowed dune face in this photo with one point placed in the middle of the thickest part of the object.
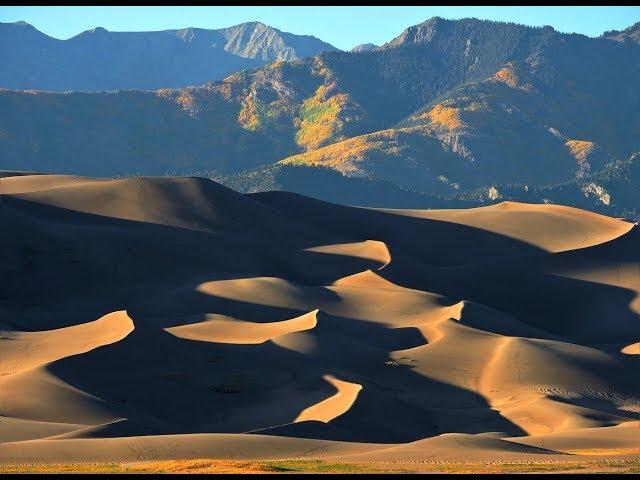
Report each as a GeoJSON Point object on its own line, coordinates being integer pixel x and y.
{"type": "Point", "coordinates": [166, 318]}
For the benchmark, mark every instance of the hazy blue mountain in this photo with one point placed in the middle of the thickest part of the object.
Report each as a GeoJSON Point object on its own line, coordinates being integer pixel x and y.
{"type": "Point", "coordinates": [101, 60]}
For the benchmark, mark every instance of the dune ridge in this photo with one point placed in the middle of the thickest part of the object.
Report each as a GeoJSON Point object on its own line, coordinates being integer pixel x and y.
{"type": "Point", "coordinates": [22, 351]}
{"type": "Point", "coordinates": [221, 329]}
{"type": "Point", "coordinates": [334, 406]}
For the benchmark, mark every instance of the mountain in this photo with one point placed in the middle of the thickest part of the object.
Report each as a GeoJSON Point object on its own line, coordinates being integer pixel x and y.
{"type": "Point", "coordinates": [364, 47]}
{"type": "Point", "coordinates": [259, 41]}
{"type": "Point", "coordinates": [101, 60]}
{"type": "Point", "coordinates": [631, 33]}
{"type": "Point", "coordinates": [444, 111]}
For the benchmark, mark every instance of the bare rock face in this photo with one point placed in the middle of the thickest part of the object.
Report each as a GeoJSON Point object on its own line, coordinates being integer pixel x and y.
{"type": "Point", "coordinates": [598, 192]}
{"type": "Point", "coordinates": [259, 41]}
{"type": "Point", "coordinates": [493, 193]}
{"type": "Point", "coordinates": [364, 47]}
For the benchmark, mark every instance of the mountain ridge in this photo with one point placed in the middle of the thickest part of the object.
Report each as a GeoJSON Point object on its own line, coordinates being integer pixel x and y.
{"type": "Point", "coordinates": [116, 60]}
{"type": "Point", "coordinates": [632, 33]}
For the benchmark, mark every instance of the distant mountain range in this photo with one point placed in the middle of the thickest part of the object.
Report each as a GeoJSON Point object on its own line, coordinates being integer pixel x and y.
{"type": "Point", "coordinates": [449, 113]}
{"type": "Point", "coordinates": [101, 60]}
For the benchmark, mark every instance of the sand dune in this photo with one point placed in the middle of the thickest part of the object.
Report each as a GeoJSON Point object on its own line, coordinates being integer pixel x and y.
{"type": "Point", "coordinates": [271, 326]}
{"type": "Point", "coordinates": [555, 228]}
{"type": "Point", "coordinates": [456, 446]}
{"type": "Point", "coordinates": [41, 396]}
{"type": "Point", "coordinates": [37, 183]}
{"type": "Point", "coordinates": [620, 439]}
{"type": "Point", "coordinates": [222, 329]}
{"type": "Point", "coordinates": [185, 202]}
{"type": "Point", "coordinates": [334, 406]}
{"type": "Point", "coordinates": [369, 249]}
{"type": "Point", "coordinates": [22, 351]}
{"type": "Point", "coordinates": [17, 429]}
{"type": "Point", "coordinates": [131, 449]}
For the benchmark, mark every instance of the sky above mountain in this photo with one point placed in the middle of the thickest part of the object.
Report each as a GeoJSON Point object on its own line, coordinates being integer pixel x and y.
{"type": "Point", "coordinates": [343, 27]}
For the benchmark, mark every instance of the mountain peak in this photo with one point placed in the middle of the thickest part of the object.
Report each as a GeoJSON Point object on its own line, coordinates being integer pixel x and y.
{"type": "Point", "coordinates": [252, 26]}
{"type": "Point", "coordinates": [21, 24]}
{"type": "Point", "coordinates": [259, 41]}
{"type": "Point", "coordinates": [364, 47]}
{"type": "Point", "coordinates": [90, 33]}
{"type": "Point", "coordinates": [445, 30]}
{"type": "Point", "coordinates": [435, 21]}
{"type": "Point", "coordinates": [422, 33]}
{"type": "Point", "coordinates": [257, 23]}
{"type": "Point", "coordinates": [98, 30]}
{"type": "Point", "coordinates": [23, 29]}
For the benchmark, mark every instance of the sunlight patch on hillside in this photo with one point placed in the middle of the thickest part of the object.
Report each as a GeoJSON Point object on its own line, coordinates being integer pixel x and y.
{"type": "Point", "coordinates": [580, 149]}
{"type": "Point", "coordinates": [506, 75]}
{"type": "Point", "coordinates": [343, 155]}
{"type": "Point", "coordinates": [319, 117]}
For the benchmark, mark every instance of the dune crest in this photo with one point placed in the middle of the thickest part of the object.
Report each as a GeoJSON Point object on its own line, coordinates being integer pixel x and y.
{"type": "Point", "coordinates": [36, 183]}
{"type": "Point", "coordinates": [555, 228]}
{"type": "Point", "coordinates": [334, 406]}
{"type": "Point", "coordinates": [22, 351]}
{"type": "Point", "coordinates": [366, 279]}
{"type": "Point", "coordinates": [369, 250]}
{"type": "Point", "coordinates": [222, 329]}
{"type": "Point", "coordinates": [450, 446]}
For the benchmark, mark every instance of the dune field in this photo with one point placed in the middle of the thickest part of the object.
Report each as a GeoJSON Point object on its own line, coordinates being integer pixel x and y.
{"type": "Point", "coordinates": [158, 320]}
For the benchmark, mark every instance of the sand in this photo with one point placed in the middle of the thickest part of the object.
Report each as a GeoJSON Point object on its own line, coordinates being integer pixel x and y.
{"type": "Point", "coordinates": [173, 319]}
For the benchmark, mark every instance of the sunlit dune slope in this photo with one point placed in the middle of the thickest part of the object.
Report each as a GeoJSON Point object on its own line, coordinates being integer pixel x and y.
{"type": "Point", "coordinates": [554, 228]}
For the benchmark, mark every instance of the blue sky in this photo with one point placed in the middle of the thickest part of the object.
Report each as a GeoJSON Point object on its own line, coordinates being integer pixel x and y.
{"type": "Point", "coordinates": [344, 27]}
